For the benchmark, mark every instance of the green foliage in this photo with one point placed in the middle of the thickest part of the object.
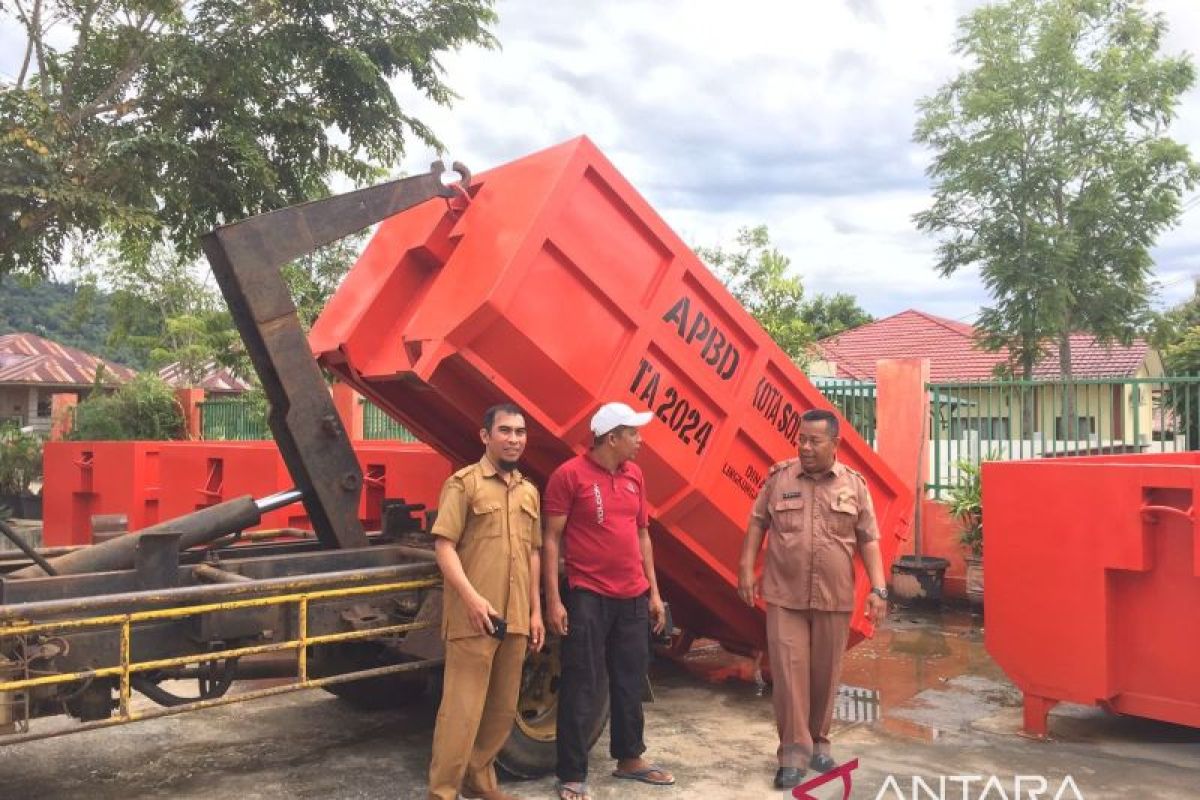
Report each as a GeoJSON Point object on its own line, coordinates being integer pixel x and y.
{"type": "Point", "coordinates": [1171, 326]}
{"type": "Point", "coordinates": [143, 409]}
{"type": "Point", "coordinates": [1182, 357]}
{"type": "Point", "coordinates": [756, 275]}
{"type": "Point", "coordinates": [70, 314]}
{"type": "Point", "coordinates": [314, 278]}
{"type": "Point", "coordinates": [164, 311]}
{"type": "Point", "coordinates": [832, 314]}
{"type": "Point", "coordinates": [20, 459]}
{"type": "Point", "coordinates": [1052, 172]}
{"type": "Point", "coordinates": [152, 120]}
{"type": "Point", "coordinates": [965, 503]}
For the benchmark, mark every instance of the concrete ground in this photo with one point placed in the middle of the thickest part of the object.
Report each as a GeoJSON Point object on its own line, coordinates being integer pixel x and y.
{"type": "Point", "coordinates": [922, 699]}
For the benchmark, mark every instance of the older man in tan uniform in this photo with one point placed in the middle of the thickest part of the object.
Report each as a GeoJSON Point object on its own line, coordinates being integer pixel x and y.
{"type": "Point", "coordinates": [487, 546]}
{"type": "Point", "coordinates": [818, 512]}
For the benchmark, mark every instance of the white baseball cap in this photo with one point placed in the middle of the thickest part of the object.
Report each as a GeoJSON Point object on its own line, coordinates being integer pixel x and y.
{"type": "Point", "coordinates": [614, 415]}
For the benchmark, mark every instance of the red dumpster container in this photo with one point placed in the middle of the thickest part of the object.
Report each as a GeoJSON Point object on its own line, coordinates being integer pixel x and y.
{"type": "Point", "coordinates": [149, 481]}
{"type": "Point", "coordinates": [1093, 583]}
{"type": "Point", "coordinates": [557, 286]}
{"type": "Point", "coordinates": [83, 479]}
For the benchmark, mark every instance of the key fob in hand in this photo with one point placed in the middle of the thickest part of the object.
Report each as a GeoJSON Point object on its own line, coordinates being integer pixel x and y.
{"type": "Point", "coordinates": [499, 626]}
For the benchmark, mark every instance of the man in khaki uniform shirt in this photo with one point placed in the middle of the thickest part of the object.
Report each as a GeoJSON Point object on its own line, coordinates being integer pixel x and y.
{"type": "Point", "coordinates": [487, 545]}
{"type": "Point", "coordinates": [818, 512]}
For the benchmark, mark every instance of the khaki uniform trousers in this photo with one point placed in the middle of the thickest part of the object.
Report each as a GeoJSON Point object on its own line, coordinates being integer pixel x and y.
{"type": "Point", "coordinates": [806, 649]}
{"type": "Point", "coordinates": [479, 704]}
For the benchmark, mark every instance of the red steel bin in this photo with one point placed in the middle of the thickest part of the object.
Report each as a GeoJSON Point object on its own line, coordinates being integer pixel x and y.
{"type": "Point", "coordinates": [152, 481]}
{"type": "Point", "coordinates": [1092, 585]}
{"type": "Point", "coordinates": [555, 285]}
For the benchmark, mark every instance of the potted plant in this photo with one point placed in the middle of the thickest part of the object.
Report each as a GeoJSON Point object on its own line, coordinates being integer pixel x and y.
{"type": "Point", "coordinates": [20, 466]}
{"type": "Point", "coordinates": [965, 503]}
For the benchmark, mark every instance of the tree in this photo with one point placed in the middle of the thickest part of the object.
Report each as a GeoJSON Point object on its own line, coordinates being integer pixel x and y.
{"type": "Point", "coordinates": [756, 275]}
{"type": "Point", "coordinates": [1173, 325]}
{"type": "Point", "coordinates": [829, 315]}
{"type": "Point", "coordinates": [1052, 172]}
{"type": "Point", "coordinates": [312, 279]}
{"type": "Point", "coordinates": [145, 408]}
{"type": "Point", "coordinates": [163, 311]}
{"type": "Point", "coordinates": [145, 119]}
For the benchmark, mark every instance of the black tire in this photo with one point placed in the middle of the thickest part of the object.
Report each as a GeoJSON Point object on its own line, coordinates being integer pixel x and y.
{"type": "Point", "coordinates": [530, 751]}
{"type": "Point", "coordinates": [370, 694]}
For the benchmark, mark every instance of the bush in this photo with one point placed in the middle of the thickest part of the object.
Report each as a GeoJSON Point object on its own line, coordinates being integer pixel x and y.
{"type": "Point", "coordinates": [20, 459]}
{"type": "Point", "coordinates": [145, 409]}
{"type": "Point", "coordinates": [965, 503]}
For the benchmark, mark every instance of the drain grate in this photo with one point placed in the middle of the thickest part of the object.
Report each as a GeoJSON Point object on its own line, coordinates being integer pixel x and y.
{"type": "Point", "coordinates": [856, 704]}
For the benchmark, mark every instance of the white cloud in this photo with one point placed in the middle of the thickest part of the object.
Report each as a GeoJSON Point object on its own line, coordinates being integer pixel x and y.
{"type": "Point", "coordinates": [725, 115]}
{"type": "Point", "coordinates": [796, 115]}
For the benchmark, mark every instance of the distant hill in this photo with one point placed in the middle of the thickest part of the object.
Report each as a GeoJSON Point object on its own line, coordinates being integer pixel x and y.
{"type": "Point", "coordinates": [63, 313]}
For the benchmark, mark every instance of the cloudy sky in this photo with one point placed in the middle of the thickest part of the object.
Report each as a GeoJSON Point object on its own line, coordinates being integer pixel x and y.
{"type": "Point", "coordinates": [798, 115]}
{"type": "Point", "coordinates": [794, 114]}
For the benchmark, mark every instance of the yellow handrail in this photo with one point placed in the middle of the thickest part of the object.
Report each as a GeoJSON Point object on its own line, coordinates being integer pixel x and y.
{"type": "Point", "coordinates": [127, 667]}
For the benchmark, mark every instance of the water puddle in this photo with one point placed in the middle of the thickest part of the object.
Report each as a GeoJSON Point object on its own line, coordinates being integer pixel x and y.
{"type": "Point", "coordinates": [920, 676]}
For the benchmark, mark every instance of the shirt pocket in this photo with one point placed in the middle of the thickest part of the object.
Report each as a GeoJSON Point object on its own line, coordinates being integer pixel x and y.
{"type": "Point", "coordinates": [843, 512]}
{"type": "Point", "coordinates": [788, 514]}
{"type": "Point", "coordinates": [488, 514]}
{"type": "Point", "coordinates": [527, 521]}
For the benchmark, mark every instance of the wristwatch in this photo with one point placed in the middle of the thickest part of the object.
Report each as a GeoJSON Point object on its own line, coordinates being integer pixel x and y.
{"type": "Point", "coordinates": [880, 592]}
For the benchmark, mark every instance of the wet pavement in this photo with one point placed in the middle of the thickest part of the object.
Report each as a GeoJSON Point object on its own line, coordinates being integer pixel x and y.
{"type": "Point", "coordinates": [923, 708]}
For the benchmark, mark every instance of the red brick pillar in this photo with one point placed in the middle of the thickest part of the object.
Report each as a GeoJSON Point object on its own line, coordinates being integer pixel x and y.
{"type": "Point", "coordinates": [190, 400]}
{"type": "Point", "coordinates": [62, 414]}
{"type": "Point", "coordinates": [349, 407]}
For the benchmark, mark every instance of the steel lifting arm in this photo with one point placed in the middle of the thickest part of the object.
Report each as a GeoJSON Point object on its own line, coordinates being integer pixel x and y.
{"type": "Point", "coordinates": [246, 258]}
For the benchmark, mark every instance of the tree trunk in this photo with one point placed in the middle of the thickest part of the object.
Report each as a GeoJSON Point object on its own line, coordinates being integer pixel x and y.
{"type": "Point", "coordinates": [1070, 418]}
{"type": "Point", "coordinates": [1028, 401]}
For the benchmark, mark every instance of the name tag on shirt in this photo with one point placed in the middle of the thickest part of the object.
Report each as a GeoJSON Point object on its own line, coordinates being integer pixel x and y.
{"type": "Point", "coordinates": [792, 495]}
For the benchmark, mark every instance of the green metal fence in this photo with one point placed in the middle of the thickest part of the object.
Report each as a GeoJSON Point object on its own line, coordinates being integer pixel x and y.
{"type": "Point", "coordinates": [855, 399]}
{"type": "Point", "coordinates": [232, 420]}
{"type": "Point", "coordinates": [975, 421]}
{"type": "Point", "coordinates": [378, 425]}
{"type": "Point", "coordinates": [240, 421]}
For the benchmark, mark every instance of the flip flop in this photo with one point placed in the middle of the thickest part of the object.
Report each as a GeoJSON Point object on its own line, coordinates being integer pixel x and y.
{"type": "Point", "coordinates": [643, 775]}
{"type": "Point", "coordinates": [566, 790]}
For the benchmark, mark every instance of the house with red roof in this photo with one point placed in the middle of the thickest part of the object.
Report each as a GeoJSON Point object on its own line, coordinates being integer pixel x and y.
{"type": "Point", "coordinates": [1110, 404]}
{"type": "Point", "coordinates": [218, 382]}
{"type": "Point", "coordinates": [32, 369]}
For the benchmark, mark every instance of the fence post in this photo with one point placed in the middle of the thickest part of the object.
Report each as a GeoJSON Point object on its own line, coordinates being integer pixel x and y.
{"type": "Point", "coordinates": [189, 400]}
{"type": "Point", "coordinates": [902, 411]}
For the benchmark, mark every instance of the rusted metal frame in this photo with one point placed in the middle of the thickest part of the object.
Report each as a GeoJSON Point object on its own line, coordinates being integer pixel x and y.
{"type": "Point", "coordinates": [258, 562]}
{"type": "Point", "coordinates": [302, 641]}
{"type": "Point", "coordinates": [125, 621]}
{"type": "Point", "coordinates": [126, 676]}
{"type": "Point", "coordinates": [246, 258]}
{"type": "Point", "coordinates": [292, 583]}
{"type": "Point", "coordinates": [127, 667]}
{"type": "Point", "coordinates": [312, 683]}
{"type": "Point", "coordinates": [208, 573]}
{"type": "Point", "coordinates": [206, 608]}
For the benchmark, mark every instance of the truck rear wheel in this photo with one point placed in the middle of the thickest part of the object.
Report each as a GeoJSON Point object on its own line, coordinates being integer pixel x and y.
{"type": "Point", "coordinates": [370, 694]}
{"type": "Point", "coordinates": [530, 751]}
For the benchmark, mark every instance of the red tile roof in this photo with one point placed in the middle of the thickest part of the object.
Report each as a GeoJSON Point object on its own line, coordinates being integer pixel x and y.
{"type": "Point", "coordinates": [953, 354]}
{"type": "Point", "coordinates": [29, 359]}
{"type": "Point", "coordinates": [217, 379]}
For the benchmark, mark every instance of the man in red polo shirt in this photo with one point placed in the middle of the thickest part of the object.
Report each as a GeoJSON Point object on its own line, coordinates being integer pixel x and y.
{"type": "Point", "coordinates": [595, 506]}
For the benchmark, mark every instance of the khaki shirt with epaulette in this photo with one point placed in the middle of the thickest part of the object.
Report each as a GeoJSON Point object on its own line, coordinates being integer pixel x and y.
{"type": "Point", "coordinates": [494, 525]}
{"type": "Point", "coordinates": [814, 524]}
